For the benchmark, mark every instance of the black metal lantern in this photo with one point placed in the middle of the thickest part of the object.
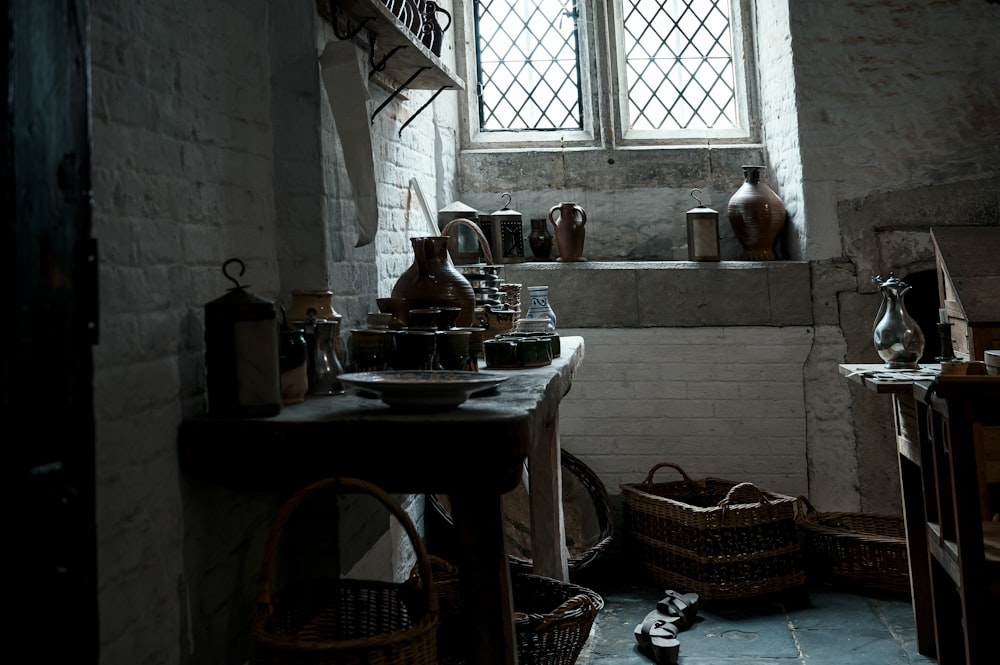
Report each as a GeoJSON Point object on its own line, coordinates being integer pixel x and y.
{"type": "Point", "coordinates": [702, 232]}
{"type": "Point", "coordinates": [241, 353]}
{"type": "Point", "coordinates": [506, 235]}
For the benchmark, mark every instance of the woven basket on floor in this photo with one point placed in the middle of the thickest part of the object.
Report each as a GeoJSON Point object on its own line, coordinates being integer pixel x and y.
{"type": "Point", "coordinates": [344, 621]}
{"type": "Point", "coordinates": [720, 539]}
{"type": "Point", "coordinates": [552, 619]}
{"type": "Point", "coordinates": [863, 551]}
{"type": "Point", "coordinates": [588, 518]}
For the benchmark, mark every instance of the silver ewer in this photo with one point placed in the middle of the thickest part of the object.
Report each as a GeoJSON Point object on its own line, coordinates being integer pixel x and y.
{"type": "Point", "coordinates": [898, 339]}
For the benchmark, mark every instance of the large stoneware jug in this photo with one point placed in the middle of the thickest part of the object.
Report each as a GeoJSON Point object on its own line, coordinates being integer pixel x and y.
{"type": "Point", "coordinates": [433, 281]}
{"type": "Point", "coordinates": [570, 221]}
{"type": "Point", "coordinates": [757, 215]}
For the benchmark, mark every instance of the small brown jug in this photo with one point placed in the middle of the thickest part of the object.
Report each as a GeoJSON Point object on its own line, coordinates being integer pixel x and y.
{"type": "Point", "coordinates": [570, 220]}
{"type": "Point", "coordinates": [433, 281]}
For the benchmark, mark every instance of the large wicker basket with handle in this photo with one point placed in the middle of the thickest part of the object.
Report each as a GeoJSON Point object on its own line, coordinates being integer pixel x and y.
{"type": "Point", "coordinates": [344, 621]}
{"type": "Point", "coordinates": [718, 538]}
{"type": "Point", "coordinates": [588, 515]}
{"type": "Point", "coordinates": [552, 619]}
{"type": "Point", "coordinates": [859, 551]}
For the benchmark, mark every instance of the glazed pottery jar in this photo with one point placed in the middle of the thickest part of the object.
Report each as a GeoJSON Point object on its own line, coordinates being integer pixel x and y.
{"type": "Point", "coordinates": [433, 281]}
{"type": "Point", "coordinates": [570, 221]}
{"type": "Point", "coordinates": [757, 216]}
{"type": "Point", "coordinates": [540, 240]}
{"type": "Point", "coordinates": [432, 32]}
{"type": "Point", "coordinates": [320, 302]}
{"type": "Point", "coordinates": [540, 307]}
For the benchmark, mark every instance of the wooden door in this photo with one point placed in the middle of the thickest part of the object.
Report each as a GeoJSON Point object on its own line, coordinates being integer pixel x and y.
{"type": "Point", "coordinates": [50, 280]}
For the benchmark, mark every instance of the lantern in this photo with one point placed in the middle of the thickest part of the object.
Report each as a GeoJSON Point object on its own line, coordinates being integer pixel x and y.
{"type": "Point", "coordinates": [241, 353]}
{"type": "Point", "coordinates": [702, 232]}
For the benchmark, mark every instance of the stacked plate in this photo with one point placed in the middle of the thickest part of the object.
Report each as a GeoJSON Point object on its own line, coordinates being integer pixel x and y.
{"type": "Point", "coordinates": [485, 280]}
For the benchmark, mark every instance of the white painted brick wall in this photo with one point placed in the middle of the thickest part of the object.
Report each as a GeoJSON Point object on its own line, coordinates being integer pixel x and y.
{"type": "Point", "coordinates": [184, 178]}
{"type": "Point", "coordinates": [724, 402]}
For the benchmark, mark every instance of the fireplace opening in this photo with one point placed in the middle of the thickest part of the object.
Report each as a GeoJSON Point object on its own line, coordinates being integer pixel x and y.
{"type": "Point", "coordinates": [922, 302]}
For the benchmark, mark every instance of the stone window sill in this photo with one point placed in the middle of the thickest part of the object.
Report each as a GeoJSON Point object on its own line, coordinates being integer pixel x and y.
{"type": "Point", "coordinates": [647, 294]}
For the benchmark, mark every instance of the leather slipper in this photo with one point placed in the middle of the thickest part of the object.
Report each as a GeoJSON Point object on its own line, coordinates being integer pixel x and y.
{"type": "Point", "coordinates": [683, 606]}
{"type": "Point", "coordinates": [657, 638]}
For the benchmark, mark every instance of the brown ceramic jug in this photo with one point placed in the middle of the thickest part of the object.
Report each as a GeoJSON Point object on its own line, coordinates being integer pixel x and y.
{"type": "Point", "coordinates": [757, 215]}
{"type": "Point", "coordinates": [569, 219]}
{"type": "Point", "coordinates": [433, 281]}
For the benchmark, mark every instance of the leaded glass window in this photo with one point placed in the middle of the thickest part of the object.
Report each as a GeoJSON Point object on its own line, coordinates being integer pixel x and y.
{"type": "Point", "coordinates": [529, 66]}
{"type": "Point", "coordinates": [677, 68]}
{"type": "Point", "coordinates": [679, 64]}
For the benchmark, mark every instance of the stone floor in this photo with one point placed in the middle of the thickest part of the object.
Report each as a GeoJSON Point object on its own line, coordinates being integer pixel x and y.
{"type": "Point", "coordinates": [821, 626]}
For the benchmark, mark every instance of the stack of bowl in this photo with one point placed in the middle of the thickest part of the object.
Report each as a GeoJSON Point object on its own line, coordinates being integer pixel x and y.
{"type": "Point", "coordinates": [485, 281]}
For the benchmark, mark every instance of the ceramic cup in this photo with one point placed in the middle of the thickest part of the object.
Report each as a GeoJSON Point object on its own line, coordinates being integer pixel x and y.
{"type": "Point", "coordinates": [552, 337]}
{"type": "Point", "coordinates": [379, 320]}
{"type": "Point", "coordinates": [500, 352]}
{"type": "Point", "coordinates": [447, 317]}
{"type": "Point", "coordinates": [414, 349]}
{"type": "Point", "coordinates": [424, 318]}
{"type": "Point", "coordinates": [532, 350]}
{"type": "Point", "coordinates": [372, 349]}
{"type": "Point", "coordinates": [453, 348]}
{"type": "Point", "coordinates": [476, 352]}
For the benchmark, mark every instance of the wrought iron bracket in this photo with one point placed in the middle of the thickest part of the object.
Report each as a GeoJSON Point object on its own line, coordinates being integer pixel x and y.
{"type": "Point", "coordinates": [420, 110]}
{"type": "Point", "coordinates": [397, 91]}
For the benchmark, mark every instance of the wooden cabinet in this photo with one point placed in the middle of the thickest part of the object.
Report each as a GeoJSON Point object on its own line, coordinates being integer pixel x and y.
{"type": "Point", "coordinates": [968, 268]}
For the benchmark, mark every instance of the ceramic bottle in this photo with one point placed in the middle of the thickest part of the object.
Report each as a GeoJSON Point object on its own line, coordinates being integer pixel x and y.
{"type": "Point", "coordinates": [757, 216]}
{"type": "Point", "coordinates": [540, 240]}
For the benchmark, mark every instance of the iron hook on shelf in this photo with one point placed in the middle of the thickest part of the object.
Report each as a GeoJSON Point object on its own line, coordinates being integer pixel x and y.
{"type": "Point", "coordinates": [419, 110]}
{"type": "Point", "coordinates": [380, 65]}
{"type": "Point", "coordinates": [349, 32]}
{"type": "Point", "coordinates": [396, 92]}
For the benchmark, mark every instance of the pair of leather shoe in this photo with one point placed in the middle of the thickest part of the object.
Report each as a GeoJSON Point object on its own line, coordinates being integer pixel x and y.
{"type": "Point", "coordinates": [657, 633]}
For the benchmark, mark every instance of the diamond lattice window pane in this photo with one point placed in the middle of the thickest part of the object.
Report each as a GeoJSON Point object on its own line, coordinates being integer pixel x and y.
{"type": "Point", "coordinates": [679, 64]}
{"type": "Point", "coordinates": [529, 65]}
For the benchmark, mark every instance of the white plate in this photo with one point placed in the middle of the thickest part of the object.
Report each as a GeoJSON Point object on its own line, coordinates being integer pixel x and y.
{"type": "Point", "coordinates": [437, 389]}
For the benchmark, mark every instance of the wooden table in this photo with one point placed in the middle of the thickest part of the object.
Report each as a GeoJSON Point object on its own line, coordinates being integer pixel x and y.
{"type": "Point", "coordinates": [899, 384]}
{"type": "Point", "coordinates": [474, 454]}
{"type": "Point", "coordinates": [960, 442]}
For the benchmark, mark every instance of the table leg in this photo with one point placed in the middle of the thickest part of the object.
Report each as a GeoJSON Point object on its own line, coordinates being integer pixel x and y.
{"type": "Point", "coordinates": [548, 529]}
{"type": "Point", "coordinates": [487, 603]}
{"type": "Point", "coordinates": [909, 422]}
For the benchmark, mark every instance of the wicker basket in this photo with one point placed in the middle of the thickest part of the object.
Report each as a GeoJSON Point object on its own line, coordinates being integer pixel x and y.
{"type": "Point", "coordinates": [720, 539]}
{"type": "Point", "coordinates": [553, 619]}
{"type": "Point", "coordinates": [589, 524]}
{"type": "Point", "coordinates": [863, 551]}
{"type": "Point", "coordinates": [344, 621]}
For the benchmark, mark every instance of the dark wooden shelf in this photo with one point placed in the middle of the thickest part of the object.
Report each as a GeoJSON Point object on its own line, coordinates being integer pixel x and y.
{"type": "Point", "coordinates": [410, 55]}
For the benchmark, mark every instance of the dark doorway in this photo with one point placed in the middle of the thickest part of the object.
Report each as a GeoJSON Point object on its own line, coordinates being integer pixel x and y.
{"type": "Point", "coordinates": [50, 273]}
